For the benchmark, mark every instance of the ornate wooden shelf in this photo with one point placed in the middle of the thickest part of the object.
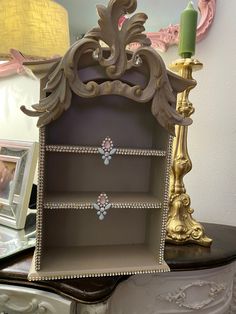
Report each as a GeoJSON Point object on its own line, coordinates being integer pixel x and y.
{"type": "Point", "coordinates": [126, 102]}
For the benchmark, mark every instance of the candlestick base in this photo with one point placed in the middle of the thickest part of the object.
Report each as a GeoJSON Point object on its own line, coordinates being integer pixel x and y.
{"type": "Point", "coordinates": [181, 228]}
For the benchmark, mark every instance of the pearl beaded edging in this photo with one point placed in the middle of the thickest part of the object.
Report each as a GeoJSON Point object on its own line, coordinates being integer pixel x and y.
{"type": "Point", "coordinates": [60, 277]}
{"type": "Point", "coordinates": [94, 150]}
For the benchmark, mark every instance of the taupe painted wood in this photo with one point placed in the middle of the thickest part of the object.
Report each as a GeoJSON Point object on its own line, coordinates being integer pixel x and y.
{"type": "Point", "coordinates": [91, 93]}
{"type": "Point", "coordinates": [161, 88]}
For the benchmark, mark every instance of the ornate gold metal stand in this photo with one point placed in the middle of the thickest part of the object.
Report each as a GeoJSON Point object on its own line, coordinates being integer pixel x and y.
{"type": "Point", "coordinates": [181, 227]}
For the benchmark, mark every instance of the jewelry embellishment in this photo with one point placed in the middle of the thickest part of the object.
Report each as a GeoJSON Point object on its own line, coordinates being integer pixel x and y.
{"type": "Point", "coordinates": [107, 150]}
{"type": "Point", "coordinates": [102, 206]}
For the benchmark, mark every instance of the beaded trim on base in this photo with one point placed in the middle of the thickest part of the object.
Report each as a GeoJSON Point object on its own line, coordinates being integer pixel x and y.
{"type": "Point", "coordinates": [39, 278]}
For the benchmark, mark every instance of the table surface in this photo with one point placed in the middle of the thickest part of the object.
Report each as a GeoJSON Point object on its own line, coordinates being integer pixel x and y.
{"type": "Point", "coordinates": [14, 269]}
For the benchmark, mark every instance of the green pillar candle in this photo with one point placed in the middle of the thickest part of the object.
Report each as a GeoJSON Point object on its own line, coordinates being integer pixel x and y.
{"type": "Point", "coordinates": [187, 34]}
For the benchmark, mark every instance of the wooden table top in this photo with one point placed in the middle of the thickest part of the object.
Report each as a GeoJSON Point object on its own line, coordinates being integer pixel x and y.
{"type": "Point", "coordinates": [195, 257]}
{"type": "Point", "coordinates": [14, 269]}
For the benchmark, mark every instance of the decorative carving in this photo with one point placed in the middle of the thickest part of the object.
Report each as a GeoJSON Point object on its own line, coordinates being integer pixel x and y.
{"type": "Point", "coordinates": [64, 75]}
{"type": "Point", "coordinates": [33, 306]}
{"type": "Point", "coordinates": [181, 227]}
{"type": "Point", "coordinates": [169, 36]}
{"type": "Point", "coordinates": [180, 297]}
{"type": "Point", "coordinates": [117, 39]}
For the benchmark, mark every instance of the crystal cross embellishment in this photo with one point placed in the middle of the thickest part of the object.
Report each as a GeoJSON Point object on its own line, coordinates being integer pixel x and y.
{"type": "Point", "coordinates": [102, 206]}
{"type": "Point", "coordinates": [107, 150]}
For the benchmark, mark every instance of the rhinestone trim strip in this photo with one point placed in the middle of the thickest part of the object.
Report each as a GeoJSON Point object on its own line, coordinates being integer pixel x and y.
{"type": "Point", "coordinates": [136, 205]}
{"type": "Point", "coordinates": [84, 206]}
{"type": "Point", "coordinates": [166, 201]}
{"type": "Point", "coordinates": [39, 221]}
{"type": "Point", "coordinates": [95, 150]}
{"type": "Point", "coordinates": [141, 152]}
{"type": "Point", "coordinates": [39, 278]}
{"type": "Point", "coordinates": [62, 205]}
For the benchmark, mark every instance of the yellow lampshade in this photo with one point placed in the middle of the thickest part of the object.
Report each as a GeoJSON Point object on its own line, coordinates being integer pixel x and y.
{"type": "Point", "coordinates": [37, 28]}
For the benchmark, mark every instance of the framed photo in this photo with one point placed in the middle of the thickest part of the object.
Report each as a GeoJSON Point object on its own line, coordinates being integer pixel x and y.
{"type": "Point", "coordinates": [9, 169]}
{"type": "Point", "coordinates": [17, 169]}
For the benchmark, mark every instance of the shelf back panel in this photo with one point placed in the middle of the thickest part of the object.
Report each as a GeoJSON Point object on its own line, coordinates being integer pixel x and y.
{"type": "Point", "coordinates": [77, 228]}
{"type": "Point", "coordinates": [71, 172]}
{"type": "Point", "coordinates": [98, 259]}
{"type": "Point", "coordinates": [89, 121]}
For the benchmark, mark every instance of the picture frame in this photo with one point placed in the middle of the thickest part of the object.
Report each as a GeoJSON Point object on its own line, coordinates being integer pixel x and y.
{"type": "Point", "coordinates": [20, 157]}
{"type": "Point", "coordinates": [9, 170]}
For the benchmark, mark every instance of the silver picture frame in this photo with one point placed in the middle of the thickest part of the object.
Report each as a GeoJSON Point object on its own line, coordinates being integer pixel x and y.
{"type": "Point", "coordinates": [9, 171]}
{"type": "Point", "coordinates": [18, 161]}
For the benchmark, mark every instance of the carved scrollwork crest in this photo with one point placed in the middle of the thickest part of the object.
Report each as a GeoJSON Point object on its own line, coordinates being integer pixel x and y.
{"type": "Point", "coordinates": [64, 78]}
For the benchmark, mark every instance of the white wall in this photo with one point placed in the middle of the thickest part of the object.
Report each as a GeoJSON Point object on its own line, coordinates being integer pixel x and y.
{"type": "Point", "coordinates": [15, 91]}
{"type": "Point", "coordinates": [212, 137]}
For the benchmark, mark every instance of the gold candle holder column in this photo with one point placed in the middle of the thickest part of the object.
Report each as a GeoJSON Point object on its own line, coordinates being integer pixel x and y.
{"type": "Point", "coordinates": [181, 227]}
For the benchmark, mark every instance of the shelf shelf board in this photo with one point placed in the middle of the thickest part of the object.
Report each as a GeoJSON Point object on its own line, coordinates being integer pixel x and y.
{"type": "Point", "coordinates": [75, 200]}
{"type": "Point", "coordinates": [95, 150]}
{"type": "Point", "coordinates": [75, 262]}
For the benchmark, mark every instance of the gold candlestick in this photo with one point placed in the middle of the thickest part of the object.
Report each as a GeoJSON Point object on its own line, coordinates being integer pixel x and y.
{"type": "Point", "coordinates": [181, 227]}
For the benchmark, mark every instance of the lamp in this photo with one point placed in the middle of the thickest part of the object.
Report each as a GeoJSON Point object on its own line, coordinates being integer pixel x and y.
{"type": "Point", "coordinates": [37, 28]}
{"type": "Point", "coordinates": [32, 34]}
